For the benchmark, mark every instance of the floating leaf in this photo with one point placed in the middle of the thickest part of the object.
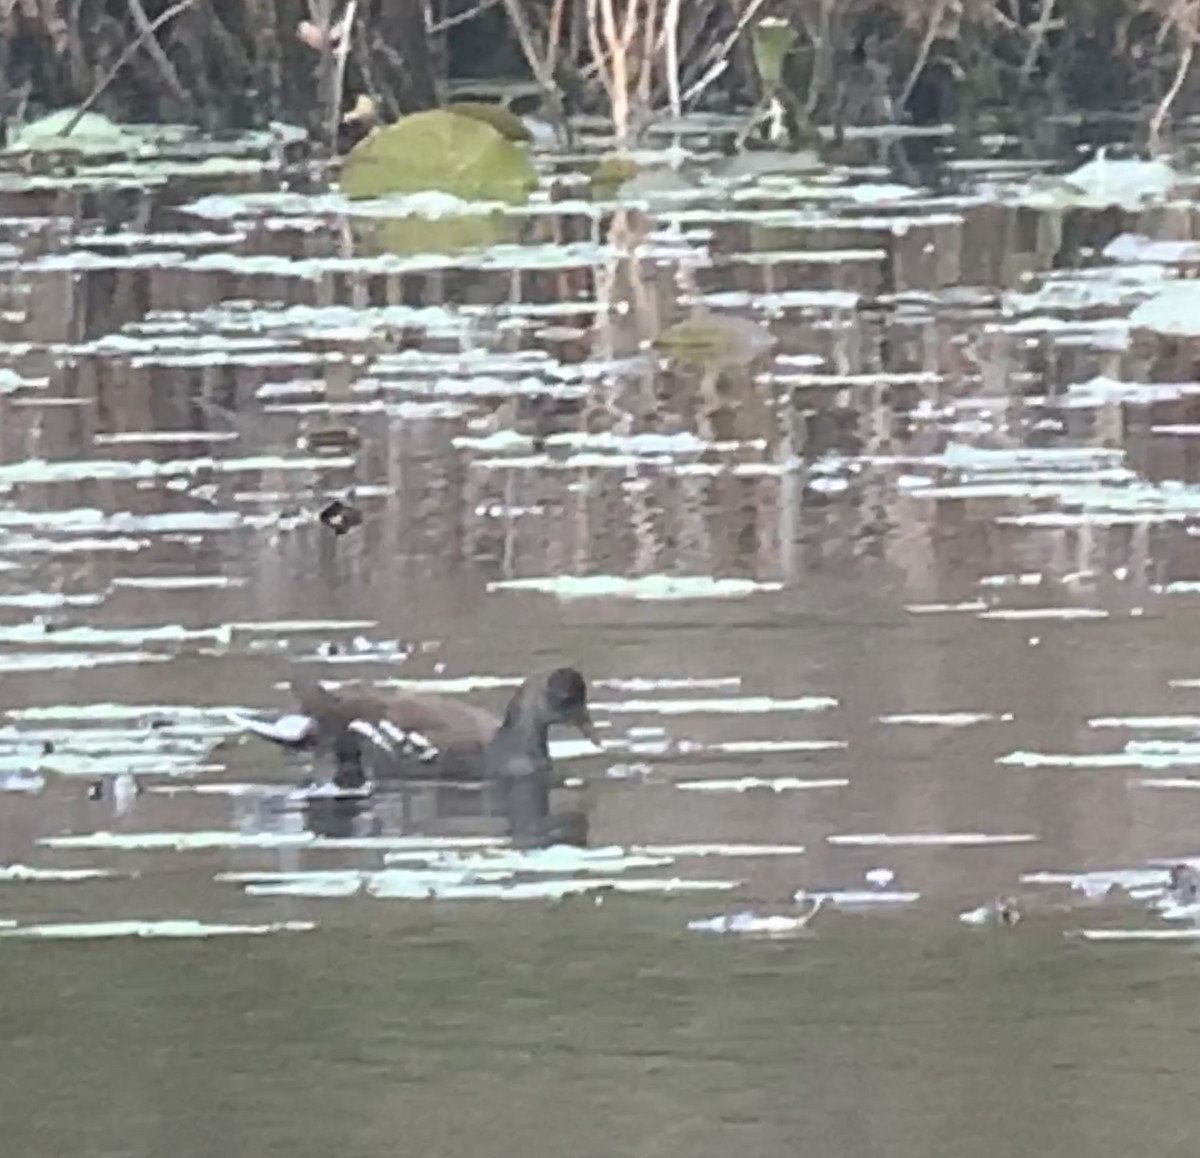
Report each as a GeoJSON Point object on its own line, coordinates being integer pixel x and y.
{"type": "Point", "coordinates": [443, 151]}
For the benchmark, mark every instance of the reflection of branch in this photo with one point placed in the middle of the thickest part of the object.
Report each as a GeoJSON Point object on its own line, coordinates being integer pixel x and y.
{"type": "Point", "coordinates": [145, 33]}
{"type": "Point", "coordinates": [822, 57]}
{"type": "Point", "coordinates": [719, 60]}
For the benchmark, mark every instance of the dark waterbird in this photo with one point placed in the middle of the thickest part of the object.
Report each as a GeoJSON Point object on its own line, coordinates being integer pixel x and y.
{"type": "Point", "coordinates": [412, 738]}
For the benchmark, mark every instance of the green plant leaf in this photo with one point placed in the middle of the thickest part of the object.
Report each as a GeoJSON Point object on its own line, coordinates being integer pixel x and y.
{"type": "Point", "coordinates": [771, 41]}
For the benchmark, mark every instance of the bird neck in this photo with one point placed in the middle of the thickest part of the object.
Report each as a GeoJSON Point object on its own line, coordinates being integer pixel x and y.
{"type": "Point", "coordinates": [524, 725]}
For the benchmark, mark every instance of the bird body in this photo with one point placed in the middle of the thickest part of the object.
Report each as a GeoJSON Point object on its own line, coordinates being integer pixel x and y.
{"type": "Point", "coordinates": [410, 738]}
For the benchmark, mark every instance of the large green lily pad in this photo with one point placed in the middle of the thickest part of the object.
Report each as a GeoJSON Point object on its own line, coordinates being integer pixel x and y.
{"type": "Point", "coordinates": [440, 151]}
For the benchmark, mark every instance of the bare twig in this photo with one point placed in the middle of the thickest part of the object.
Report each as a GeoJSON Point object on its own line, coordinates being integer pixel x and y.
{"type": "Point", "coordinates": [1037, 38]}
{"type": "Point", "coordinates": [604, 34]}
{"type": "Point", "coordinates": [931, 34]}
{"type": "Point", "coordinates": [539, 65]}
{"type": "Point", "coordinates": [151, 28]}
{"type": "Point", "coordinates": [718, 60]}
{"type": "Point", "coordinates": [142, 23]}
{"type": "Point", "coordinates": [554, 35]}
{"type": "Point", "coordinates": [671, 32]}
{"type": "Point", "coordinates": [1164, 106]}
{"type": "Point", "coordinates": [439, 26]}
{"type": "Point", "coordinates": [648, 26]}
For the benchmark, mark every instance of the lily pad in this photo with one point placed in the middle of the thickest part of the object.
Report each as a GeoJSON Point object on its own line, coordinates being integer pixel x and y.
{"type": "Point", "coordinates": [443, 151]}
{"type": "Point", "coordinates": [712, 341]}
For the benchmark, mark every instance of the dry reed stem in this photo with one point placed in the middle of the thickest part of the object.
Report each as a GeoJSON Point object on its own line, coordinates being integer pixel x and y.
{"type": "Point", "coordinates": [1184, 16]}
{"type": "Point", "coordinates": [340, 55]}
{"type": "Point", "coordinates": [671, 33]}
{"type": "Point", "coordinates": [166, 69]}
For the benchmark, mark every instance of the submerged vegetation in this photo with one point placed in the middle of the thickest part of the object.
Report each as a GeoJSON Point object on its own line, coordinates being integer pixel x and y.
{"type": "Point", "coordinates": [237, 65]}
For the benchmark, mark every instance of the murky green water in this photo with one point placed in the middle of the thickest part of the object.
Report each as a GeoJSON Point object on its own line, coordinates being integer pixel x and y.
{"type": "Point", "coordinates": [604, 1031]}
{"type": "Point", "coordinates": [912, 587]}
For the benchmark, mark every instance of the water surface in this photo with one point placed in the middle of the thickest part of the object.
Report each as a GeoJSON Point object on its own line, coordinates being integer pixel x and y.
{"type": "Point", "coordinates": [912, 586]}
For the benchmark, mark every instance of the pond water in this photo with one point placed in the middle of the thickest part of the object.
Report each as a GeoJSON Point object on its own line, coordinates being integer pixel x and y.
{"type": "Point", "coordinates": [891, 622]}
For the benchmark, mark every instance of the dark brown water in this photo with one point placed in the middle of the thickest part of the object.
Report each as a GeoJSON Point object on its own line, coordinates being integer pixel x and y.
{"type": "Point", "coordinates": [960, 651]}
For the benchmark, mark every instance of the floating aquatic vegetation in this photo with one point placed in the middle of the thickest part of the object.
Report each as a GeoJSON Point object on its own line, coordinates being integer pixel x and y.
{"type": "Point", "coordinates": [557, 859]}
{"type": "Point", "coordinates": [930, 839]}
{"type": "Point", "coordinates": [1120, 936]}
{"type": "Point", "coordinates": [22, 874]}
{"type": "Point", "coordinates": [752, 705]}
{"type": "Point", "coordinates": [442, 151]}
{"type": "Point", "coordinates": [1002, 912]}
{"type": "Point", "coordinates": [1130, 758]}
{"type": "Point", "coordinates": [720, 850]}
{"type": "Point", "coordinates": [550, 889]}
{"type": "Point", "coordinates": [750, 924]}
{"type": "Point", "coordinates": [1146, 722]}
{"type": "Point", "coordinates": [947, 719]}
{"type": "Point", "coordinates": [857, 899]}
{"type": "Point", "coordinates": [204, 840]}
{"type": "Point", "coordinates": [22, 782]}
{"type": "Point", "coordinates": [170, 929]}
{"type": "Point", "coordinates": [775, 784]}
